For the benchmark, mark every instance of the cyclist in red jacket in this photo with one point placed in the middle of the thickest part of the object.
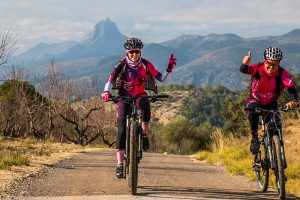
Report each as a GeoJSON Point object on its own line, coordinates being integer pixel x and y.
{"type": "Point", "coordinates": [132, 71]}
{"type": "Point", "coordinates": [268, 81]}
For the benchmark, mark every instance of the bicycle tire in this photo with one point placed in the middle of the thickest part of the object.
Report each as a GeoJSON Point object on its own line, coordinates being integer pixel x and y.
{"type": "Point", "coordinates": [126, 160]}
{"type": "Point", "coordinates": [261, 161]}
{"type": "Point", "coordinates": [279, 170]}
{"type": "Point", "coordinates": [133, 167]}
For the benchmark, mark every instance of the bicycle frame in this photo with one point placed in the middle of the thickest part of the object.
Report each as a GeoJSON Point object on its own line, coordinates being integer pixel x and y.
{"type": "Point", "coordinates": [269, 129]}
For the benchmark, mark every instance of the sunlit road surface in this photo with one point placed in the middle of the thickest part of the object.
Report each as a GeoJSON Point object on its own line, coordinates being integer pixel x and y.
{"type": "Point", "coordinates": [91, 176]}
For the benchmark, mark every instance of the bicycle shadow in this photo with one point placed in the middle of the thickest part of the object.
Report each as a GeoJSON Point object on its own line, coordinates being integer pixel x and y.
{"type": "Point", "coordinates": [194, 193]}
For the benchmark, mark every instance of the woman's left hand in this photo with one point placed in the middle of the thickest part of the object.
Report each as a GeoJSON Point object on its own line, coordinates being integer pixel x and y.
{"type": "Point", "coordinates": [172, 63]}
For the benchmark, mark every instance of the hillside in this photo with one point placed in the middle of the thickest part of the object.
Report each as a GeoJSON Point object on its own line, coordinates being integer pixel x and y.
{"type": "Point", "coordinates": [164, 111]}
{"type": "Point", "coordinates": [204, 60]}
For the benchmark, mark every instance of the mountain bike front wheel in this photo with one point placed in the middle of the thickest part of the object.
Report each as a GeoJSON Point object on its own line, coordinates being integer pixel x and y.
{"type": "Point", "coordinates": [279, 170]}
{"type": "Point", "coordinates": [133, 164]}
{"type": "Point", "coordinates": [261, 168]}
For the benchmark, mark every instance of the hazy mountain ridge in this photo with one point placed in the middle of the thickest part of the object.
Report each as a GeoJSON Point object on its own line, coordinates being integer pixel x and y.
{"type": "Point", "coordinates": [201, 59]}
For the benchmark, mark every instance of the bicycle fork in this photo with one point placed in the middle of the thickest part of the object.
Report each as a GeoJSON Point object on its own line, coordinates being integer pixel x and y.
{"type": "Point", "coordinates": [267, 141]}
{"type": "Point", "coordinates": [140, 139]}
{"type": "Point", "coordinates": [270, 149]}
{"type": "Point", "coordinates": [282, 153]}
{"type": "Point", "coordinates": [127, 139]}
{"type": "Point", "coordinates": [139, 134]}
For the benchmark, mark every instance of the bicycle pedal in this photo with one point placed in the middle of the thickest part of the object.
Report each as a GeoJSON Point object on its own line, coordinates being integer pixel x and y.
{"type": "Point", "coordinates": [256, 167]}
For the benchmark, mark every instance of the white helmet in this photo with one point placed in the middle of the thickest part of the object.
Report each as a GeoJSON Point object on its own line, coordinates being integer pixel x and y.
{"type": "Point", "coordinates": [273, 53]}
{"type": "Point", "coordinates": [133, 43]}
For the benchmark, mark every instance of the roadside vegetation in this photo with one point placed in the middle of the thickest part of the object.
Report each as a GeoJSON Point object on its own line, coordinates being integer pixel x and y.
{"type": "Point", "coordinates": [16, 152]}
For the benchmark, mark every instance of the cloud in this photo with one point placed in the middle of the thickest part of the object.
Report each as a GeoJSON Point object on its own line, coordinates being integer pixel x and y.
{"type": "Point", "coordinates": [141, 27]}
{"type": "Point", "coordinates": [59, 30]}
{"type": "Point", "coordinates": [49, 31]}
{"type": "Point", "coordinates": [56, 20]}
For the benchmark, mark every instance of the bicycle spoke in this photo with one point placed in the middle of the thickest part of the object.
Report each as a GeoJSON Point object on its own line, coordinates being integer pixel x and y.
{"type": "Point", "coordinates": [262, 169]}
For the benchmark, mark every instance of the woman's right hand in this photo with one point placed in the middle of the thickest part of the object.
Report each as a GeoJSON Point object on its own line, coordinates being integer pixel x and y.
{"type": "Point", "coordinates": [105, 96]}
{"type": "Point", "coordinates": [247, 59]}
{"type": "Point", "coordinates": [292, 104]}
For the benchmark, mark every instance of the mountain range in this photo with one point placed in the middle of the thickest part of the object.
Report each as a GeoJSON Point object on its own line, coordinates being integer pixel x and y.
{"type": "Point", "coordinates": [212, 59]}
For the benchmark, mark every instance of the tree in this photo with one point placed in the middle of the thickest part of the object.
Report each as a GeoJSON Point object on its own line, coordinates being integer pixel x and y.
{"type": "Point", "coordinates": [236, 122]}
{"type": "Point", "coordinates": [84, 118]}
{"type": "Point", "coordinates": [285, 97]}
{"type": "Point", "coordinates": [7, 46]}
{"type": "Point", "coordinates": [205, 105]}
{"type": "Point", "coordinates": [181, 136]}
{"type": "Point", "coordinates": [22, 110]}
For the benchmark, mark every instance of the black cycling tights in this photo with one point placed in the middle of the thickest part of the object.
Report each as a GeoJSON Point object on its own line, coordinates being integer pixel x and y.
{"type": "Point", "coordinates": [254, 117]}
{"type": "Point", "coordinates": [122, 111]}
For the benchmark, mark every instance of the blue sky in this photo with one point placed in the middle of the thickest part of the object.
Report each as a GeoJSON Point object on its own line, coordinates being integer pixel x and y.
{"type": "Point", "coordinates": [53, 21]}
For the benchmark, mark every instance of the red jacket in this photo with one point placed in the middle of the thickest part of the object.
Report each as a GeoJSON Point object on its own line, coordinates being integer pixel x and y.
{"type": "Point", "coordinates": [133, 77]}
{"type": "Point", "coordinates": [264, 84]}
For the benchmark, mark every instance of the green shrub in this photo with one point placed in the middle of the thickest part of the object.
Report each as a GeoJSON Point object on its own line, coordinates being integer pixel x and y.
{"type": "Point", "coordinates": [9, 159]}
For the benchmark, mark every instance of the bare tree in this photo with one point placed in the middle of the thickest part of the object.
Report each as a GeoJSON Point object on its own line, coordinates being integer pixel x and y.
{"type": "Point", "coordinates": [11, 124]}
{"type": "Point", "coordinates": [33, 108]}
{"type": "Point", "coordinates": [68, 101]}
{"type": "Point", "coordinates": [24, 110]}
{"type": "Point", "coordinates": [7, 46]}
{"type": "Point", "coordinates": [64, 111]}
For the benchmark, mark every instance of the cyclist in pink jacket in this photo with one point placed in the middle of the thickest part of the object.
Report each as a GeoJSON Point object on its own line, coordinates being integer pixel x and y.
{"type": "Point", "coordinates": [268, 81]}
{"type": "Point", "coordinates": [132, 71]}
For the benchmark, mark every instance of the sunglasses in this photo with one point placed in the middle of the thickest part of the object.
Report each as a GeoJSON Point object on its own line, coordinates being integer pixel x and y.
{"type": "Point", "coordinates": [268, 63]}
{"type": "Point", "coordinates": [134, 51]}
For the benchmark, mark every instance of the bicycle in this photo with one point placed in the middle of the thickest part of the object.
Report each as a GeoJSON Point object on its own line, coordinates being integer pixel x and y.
{"type": "Point", "coordinates": [271, 153]}
{"type": "Point", "coordinates": [134, 145]}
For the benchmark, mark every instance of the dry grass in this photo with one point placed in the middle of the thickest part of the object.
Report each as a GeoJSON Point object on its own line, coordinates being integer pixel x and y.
{"type": "Point", "coordinates": [9, 159]}
{"type": "Point", "coordinates": [292, 140]}
{"type": "Point", "coordinates": [19, 158]}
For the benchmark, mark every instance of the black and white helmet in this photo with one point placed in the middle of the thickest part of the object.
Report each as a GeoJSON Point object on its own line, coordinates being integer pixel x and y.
{"type": "Point", "coordinates": [273, 53]}
{"type": "Point", "coordinates": [133, 43]}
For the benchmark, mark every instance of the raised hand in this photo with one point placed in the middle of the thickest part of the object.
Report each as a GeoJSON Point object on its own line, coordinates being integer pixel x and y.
{"type": "Point", "coordinates": [247, 58]}
{"type": "Point", "coordinates": [172, 63]}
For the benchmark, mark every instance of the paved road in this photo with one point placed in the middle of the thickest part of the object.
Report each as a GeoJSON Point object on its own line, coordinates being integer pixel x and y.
{"type": "Point", "coordinates": [91, 176]}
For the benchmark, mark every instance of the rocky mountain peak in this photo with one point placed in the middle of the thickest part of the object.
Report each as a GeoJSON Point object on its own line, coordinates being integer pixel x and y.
{"type": "Point", "coordinates": [104, 28]}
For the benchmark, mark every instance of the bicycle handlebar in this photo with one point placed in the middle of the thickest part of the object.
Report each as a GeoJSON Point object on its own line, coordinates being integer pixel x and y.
{"type": "Point", "coordinates": [131, 98]}
{"type": "Point", "coordinates": [260, 110]}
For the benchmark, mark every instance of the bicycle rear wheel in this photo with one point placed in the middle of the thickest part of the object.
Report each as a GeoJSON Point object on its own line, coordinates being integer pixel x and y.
{"type": "Point", "coordinates": [261, 168]}
{"type": "Point", "coordinates": [279, 170]}
{"type": "Point", "coordinates": [133, 164]}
